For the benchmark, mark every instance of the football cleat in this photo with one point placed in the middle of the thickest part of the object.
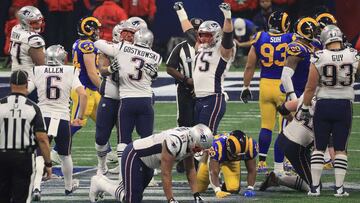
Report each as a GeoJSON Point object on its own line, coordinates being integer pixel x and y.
{"type": "Point", "coordinates": [112, 157]}
{"type": "Point", "coordinates": [102, 170]}
{"type": "Point", "coordinates": [95, 194]}
{"type": "Point", "coordinates": [75, 186]}
{"type": "Point", "coordinates": [271, 180]}
{"type": "Point", "coordinates": [340, 192]}
{"type": "Point", "coordinates": [115, 170]}
{"type": "Point", "coordinates": [314, 191]}
{"type": "Point", "coordinates": [36, 196]}
{"type": "Point", "coordinates": [262, 167]}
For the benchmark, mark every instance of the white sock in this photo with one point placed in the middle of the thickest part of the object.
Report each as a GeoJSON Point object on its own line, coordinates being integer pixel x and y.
{"type": "Point", "coordinates": [107, 185]}
{"type": "Point", "coordinates": [101, 151]}
{"type": "Point", "coordinates": [120, 149]}
{"type": "Point", "coordinates": [317, 165]}
{"type": "Point", "coordinates": [340, 167]}
{"type": "Point", "coordinates": [67, 170]}
{"type": "Point", "coordinates": [278, 167]}
{"type": "Point", "coordinates": [39, 170]}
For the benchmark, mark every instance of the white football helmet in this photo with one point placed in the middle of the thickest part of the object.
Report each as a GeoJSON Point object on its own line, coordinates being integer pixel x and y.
{"type": "Point", "coordinates": [210, 27]}
{"type": "Point", "coordinates": [116, 33]}
{"type": "Point", "coordinates": [55, 55]}
{"type": "Point", "coordinates": [136, 23]}
{"type": "Point", "coordinates": [31, 19]}
{"type": "Point", "coordinates": [331, 33]}
{"type": "Point", "coordinates": [201, 136]}
{"type": "Point", "coordinates": [144, 37]}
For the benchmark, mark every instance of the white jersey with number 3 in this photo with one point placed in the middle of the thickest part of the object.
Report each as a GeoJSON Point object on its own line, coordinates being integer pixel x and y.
{"type": "Point", "coordinates": [21, 41]}
{"type": "Point", "coordinates": [134, 82]}
{"type": "Point", "coordinates": [209, 71]}
{"type": "Point", "coordinates": [54, 84]}
{"type": "Point", "coordinates": [337, 73]}
{"type": "Point", "coordinates": [177, 142]}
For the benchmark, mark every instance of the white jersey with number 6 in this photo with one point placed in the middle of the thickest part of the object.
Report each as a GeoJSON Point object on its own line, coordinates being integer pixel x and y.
{"type": "Point", "coordinates": [209, 71]}
{"type": "Point", "coordinates": [134, 82]}
{"type": "Point", "coordinates": [21, 41]}
{"type": "Point", "coordinates": [337, 73]}
{"type": "Point", "coordinates": [54, 84]}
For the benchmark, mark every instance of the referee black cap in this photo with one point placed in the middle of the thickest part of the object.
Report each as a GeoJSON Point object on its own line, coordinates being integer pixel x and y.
{"type": "Point", "coordinates": [196, 22]}
{"type": "Point", "coordinates": [19, 77]}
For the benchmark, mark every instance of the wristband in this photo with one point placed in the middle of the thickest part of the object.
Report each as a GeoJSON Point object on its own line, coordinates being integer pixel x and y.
{"type": "Point", "coordinates": [305, 107]}
{"type": "Point", "coordinates": [48, 164]}
{"type": "Point", "coordinates": [250, 187]}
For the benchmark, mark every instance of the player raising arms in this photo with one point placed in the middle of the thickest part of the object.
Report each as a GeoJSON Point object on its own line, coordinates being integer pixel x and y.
{"type": "Point", "coordinates": [54, 82]}
{"type": "Point", "coordinates": [225, 154]}
{"type": "Point", "coordinates": [270, 48]}
{"type": "Point", "coordinates": [138, 67]}
{"type": "Point", "coordinates": [215, 52]}
{"type": "Point", "coordinates": [144, 155]}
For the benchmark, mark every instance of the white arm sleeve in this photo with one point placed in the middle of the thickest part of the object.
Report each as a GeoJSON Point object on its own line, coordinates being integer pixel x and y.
{"type": "Point", "coordinates": [31, 79]}
{"type": "Point", "coordinates": [286, 81]}
{"type": "Point", "coordinates": [76, 82]}
{"type": "Point", "coordinates": [108, 48]}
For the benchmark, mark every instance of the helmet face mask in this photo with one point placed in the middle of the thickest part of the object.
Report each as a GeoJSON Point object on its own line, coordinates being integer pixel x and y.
{"type": "Point", "coordinates": [206, 29]}
{"type": "Point", "coordinates": [330, 34]}
{"type": "Point", "coordinates": [31, 19]}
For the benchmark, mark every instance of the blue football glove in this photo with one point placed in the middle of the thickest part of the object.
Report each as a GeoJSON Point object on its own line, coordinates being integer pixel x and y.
{"type": "Point", "coordinates": [250, 192]}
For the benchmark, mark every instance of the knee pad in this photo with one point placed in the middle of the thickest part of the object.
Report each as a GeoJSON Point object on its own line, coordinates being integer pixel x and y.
{"type": "Point", "coordinates": [231, 172]}
{"type": "Point", "coordinates": [202, 177]}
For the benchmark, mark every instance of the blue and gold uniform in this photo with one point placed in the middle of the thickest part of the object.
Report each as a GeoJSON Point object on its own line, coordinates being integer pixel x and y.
{"type": "Point", "coordinates": [229, 163]}
{"type": "Point", "coordinates": [81, 47]}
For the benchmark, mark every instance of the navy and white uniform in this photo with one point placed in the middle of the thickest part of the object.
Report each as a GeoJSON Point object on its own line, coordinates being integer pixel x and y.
{"type": "Point", "coordinates": [141, 157]}
{"type": "Point", "coordinates": [295, 141]}
{"type": "Point", "coordinates": [335, 94]}
{"type": "Point", "coordinates": [208, 75]}
{"type": "Point", "coordinates": [135, 87]}
{"type": "Point", "coordinates": [54, 84]}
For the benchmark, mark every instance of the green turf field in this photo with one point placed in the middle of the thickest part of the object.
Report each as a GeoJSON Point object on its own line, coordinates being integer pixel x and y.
{"type": "Point", "coordinates": [238, 116]}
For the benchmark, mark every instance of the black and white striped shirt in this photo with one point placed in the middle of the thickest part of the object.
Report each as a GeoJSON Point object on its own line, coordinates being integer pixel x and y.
{"type": "Point", "coordinates": [181, 58]}
{"type": "Point", "coordinates": [20, 118]}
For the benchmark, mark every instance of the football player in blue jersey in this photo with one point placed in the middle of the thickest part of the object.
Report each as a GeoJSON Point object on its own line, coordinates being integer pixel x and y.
{"type": "Point", "coordinates": [227, 151]}
{"type": "Point", "coordinates": [270, 49]}
{"type": "Point", "coordinates": [295, 71]}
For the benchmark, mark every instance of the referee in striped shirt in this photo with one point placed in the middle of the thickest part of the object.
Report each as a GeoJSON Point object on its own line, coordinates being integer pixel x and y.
{"type": "Point", "coordinates": [22, 128]}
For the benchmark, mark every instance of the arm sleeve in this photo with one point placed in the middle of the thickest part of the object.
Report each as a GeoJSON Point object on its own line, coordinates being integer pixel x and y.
{"type": "Point", "coordinates": [190, 36]}
{"type": "Point", "coordinates": [105, 47]}
{"type": "Point", "coordinates": [174, 57]}
{"type": "Point", "coordinates": [38, 121]}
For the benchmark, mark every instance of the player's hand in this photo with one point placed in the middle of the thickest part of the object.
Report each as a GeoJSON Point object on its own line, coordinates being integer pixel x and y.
{"type": "Point", "coordinates": [250, 192]}
{"type": "Point", "coordinates": [304, 113]}
{"type": "Point", "coordinates": [221, 194]}
{"type": "Point", "coordinates": [77, 122]}
{"type": "Point", "coordinates": [114, 66]}
{"type": "Point", "coordinates": [245, 95]}
{"type": "Point", "coordinates": [48, 173]}
{"type": "Point", "coordinates": [172, 200]}
{"type": "Point", "coordinates": [226, 9]}
{"type": "Point", "coordinates": [178, 6]}
{"type": "Point", "coordinates": [197, 198]}
{"type": "Point", "coordinates": [151, 70]}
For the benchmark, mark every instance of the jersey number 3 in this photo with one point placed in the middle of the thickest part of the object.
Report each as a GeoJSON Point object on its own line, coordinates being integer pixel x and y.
{"type": "Point", "coordinates": [267, 51]}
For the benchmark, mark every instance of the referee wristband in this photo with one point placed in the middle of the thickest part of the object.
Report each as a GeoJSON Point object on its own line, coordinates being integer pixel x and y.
{"type": "Point", "coordinates": [48, 164]}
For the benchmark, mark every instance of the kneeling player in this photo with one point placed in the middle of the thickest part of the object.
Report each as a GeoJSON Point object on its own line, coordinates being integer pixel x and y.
{"type": "Point", "coordinates": [142, 156]}
{"type": "Point", "coordinates": [225, 154]}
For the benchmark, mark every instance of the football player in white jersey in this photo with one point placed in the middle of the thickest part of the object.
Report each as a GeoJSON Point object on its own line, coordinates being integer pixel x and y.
{"type": "Point", "coordinates": [215, 52]}
{"type": "Point", "coordinates": [332, 72]}
{"type": "Point", "coordinates": [138, 67]}
{"type": "Point", "coordinates": [27, 46]}
{"type": "Point", "coordinates": [54, 82]}
{"type": "Point", "coordinates": [144, 155]}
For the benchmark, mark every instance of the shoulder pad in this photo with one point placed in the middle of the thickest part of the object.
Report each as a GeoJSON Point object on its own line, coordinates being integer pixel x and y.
{"type": "Point", "coordinates": [294, 49]}
{"type": "Point", "coordinates": [173, 144]}
{"type": "Point", "coordinates": [86, 47]}
{"type": "Point", "coordinates": [255, 37]}
{"type": "Point", "coordinates": [36, 41]}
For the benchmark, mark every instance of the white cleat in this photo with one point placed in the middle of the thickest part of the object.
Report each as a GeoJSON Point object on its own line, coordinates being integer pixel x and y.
{"type": "Point", "coordinates": [112, 157]}
{"type": "Point", "coordinates": [75, 186]}
{"type": "Point", "coordinates": [102, 170]}
{"type": "Point", "coordinates": [314, 191]}
{"type": "Point", "coordinates": [340, 192]}
{"type": "Point", "coordinates": [115, 170]}
{"type": "Point", "coordinates": [95, 194]}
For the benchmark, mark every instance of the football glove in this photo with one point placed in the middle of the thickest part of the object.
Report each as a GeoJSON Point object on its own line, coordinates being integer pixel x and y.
{"type": "Point", "coordinates": [304, 113]}
{"type": "Point", "coordinates": [221, 194]}
{"type": "Point", "coordinates": [178, 6]}
{"type": "Point", "coordinates": [249, 192]}
{"type": "Point", "coordinates": [226, 9]}
{"type": "Point", "coordinates": [151, 70]}
{"type": "Point", "coordinates": [180, 11]}
{"type": "Point", "coordinates": [198, 198]}
{"type": "Point", "coordinates": [114, 66]}
{"type": "Point", "coordinates": [245, 95]}
{"type": "Point", "coordinates": [172, 200]}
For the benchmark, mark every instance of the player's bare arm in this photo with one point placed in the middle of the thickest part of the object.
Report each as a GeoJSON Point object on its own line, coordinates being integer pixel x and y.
{"type": "Point", "coordinates": [214, 170]}
{"type": "Point", "coordinates": [251, 169]}
{"type": "Point", "coordinates": [89, 60]}
{"type": "Point", "coordinates": [37, 55]}
{"type": "Point", "coordinates": [248, 75]}
{"type": "Point", "coordinates": [43, 142]}
{"type": "Point", "coordinates": [227, 42]}
{"type": "Point", "coordinates": [311, 85]}
{"type": "Point", "coordinates": [191, 173]}
{"type": "Point", "coordinates": [83, 102]}
{"type": "Point", "coordinates": [104, 64]}
{"type": "Point", "coordinates": [167, 162]}
{"type": "Point", "coordinates": [178, 76]}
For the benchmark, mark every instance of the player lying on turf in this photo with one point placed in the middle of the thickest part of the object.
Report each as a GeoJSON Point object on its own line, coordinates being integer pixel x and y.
{"type": "Point", "coordinates": [161, 150]}
{"type": "Point", "coordinates": [225, 154]}
{"type": "Point", "coordinates": [295, 140]}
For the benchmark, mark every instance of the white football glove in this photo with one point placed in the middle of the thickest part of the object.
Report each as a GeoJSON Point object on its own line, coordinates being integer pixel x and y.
{"type": "Point", "coordinates": [180, 11]}
{"type": "Point", "coordinates": [151, 69]}
{"type": "Point", "coordinates": [114, 66]}
{"type": "Point", "coordinates": [226, 9]}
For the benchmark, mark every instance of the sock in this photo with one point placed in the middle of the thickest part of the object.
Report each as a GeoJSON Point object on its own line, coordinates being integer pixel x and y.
{"type": "Point", "coordinates": [278, 153]}
{"type": "Point", "coordinates": [67, 170]}
{"type": "Point", "coordinates": [74, 129]}
{"type": "Point", "coordinates": [101, 151]}
{"type": "Point", "coordinates": [108, 147]}
{"type": "Point", "coordinates": [264, 143]}
{"type": "Point", "coordinates": [120, 149]}
{"type": "Point", "coordinates": [106, 185]}
{"type": "Point", "coordinates": [294, 182]}
{"type": "Point", "coordinates": [278, 167]}
{"type": "Point", "coordinates": [317, 165]}
{"type": "Point", "coordinates": [340, 166]}
{"type": "Point", "coordinates": [39, 170]}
